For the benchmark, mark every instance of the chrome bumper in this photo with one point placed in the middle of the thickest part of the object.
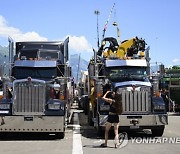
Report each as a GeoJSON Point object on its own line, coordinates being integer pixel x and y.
{"type": "Point", "coordinates": [140, 120]}
{"type": "Point", "coordinates": [32, 124]}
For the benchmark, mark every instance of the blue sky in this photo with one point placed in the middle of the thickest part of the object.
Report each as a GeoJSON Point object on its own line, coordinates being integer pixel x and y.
{"type": "Point", "coordinates": [157, 21]}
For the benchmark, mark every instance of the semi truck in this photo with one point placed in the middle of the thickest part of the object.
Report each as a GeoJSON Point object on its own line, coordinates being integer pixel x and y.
{"type": "Point", "coordinates": [170, 86]}
{"type": "Point", "coordinates": [125, 68]}
{"type": "Point", "coordinates": [36, 94]}
{"type": "Point", "coordinates": [83, 91]}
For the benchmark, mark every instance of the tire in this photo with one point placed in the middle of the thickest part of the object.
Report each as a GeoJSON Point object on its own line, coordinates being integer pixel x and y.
{"type": "Point", "coordinates": [99, 128]}
{"type": "Point", "coordinates": [90, 116]}
{"type": "Point", "coordinates": [79, 103]}
{"type": "Point", "coordinates": [100, 131]}
{"type": "Point", "coordinates": [86, 101]}
{"type": "Point", "coordinates": [158, 131]}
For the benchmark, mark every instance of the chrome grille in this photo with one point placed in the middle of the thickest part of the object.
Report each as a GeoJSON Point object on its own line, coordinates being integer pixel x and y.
{"type": "Point", "coordinates": [136, 101]}
{"type": "Point", "coordinates": [29, 98]}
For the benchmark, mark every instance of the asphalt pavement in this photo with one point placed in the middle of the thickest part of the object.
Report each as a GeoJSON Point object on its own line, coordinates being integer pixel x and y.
{"type": "Point", "coordinates": [82, 138]}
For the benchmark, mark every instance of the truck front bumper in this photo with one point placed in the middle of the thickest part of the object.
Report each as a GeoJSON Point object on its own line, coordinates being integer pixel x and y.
{"type": "Point", "coordinates": [32, 123]}
{"type": "Point", "coordinates": [139, 121]}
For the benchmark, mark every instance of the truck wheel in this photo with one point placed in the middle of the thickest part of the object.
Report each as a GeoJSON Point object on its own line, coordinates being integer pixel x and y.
{"type": "Point", "coordinates": [158, 131]}
{"type": "Point", "coordinates": [100, 131]}
{"type": "Point", "coordinates": [86, 101]}
{"type": "Point", "coordinates": [79, 103]}
{"type": "Point", "coordinates": [99, 128]}
{"type": "Point", "coordinates": [90, 116]}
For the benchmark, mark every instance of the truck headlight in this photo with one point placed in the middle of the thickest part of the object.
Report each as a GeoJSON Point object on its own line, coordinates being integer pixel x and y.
{"type": "Point", "coordinates": [104, 107]}
{"type": "Point", "coordinates": [5, 106]}
{"type": "Point", "coordinates": [158, 104]}
{"type": "Point", "coordinates": [54, 106]}
{"type": "Point", "coordinates": [159, 107]}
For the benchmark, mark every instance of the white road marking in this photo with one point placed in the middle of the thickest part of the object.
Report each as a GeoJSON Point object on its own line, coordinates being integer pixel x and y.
{"type": "Point", "coordinates": [99, 141]}
{"type": "Point", "coordinates": [77, 143]}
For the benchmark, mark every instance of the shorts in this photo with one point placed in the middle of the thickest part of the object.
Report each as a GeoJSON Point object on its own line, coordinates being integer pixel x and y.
{"type": "Point", "coordinates": [113, 119]}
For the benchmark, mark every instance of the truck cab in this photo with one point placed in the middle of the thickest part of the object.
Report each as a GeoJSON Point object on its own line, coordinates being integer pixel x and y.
{"type": "Point", "coordinates": [36, 97]}
{"type": "Point", "coordinates": [126, 71]}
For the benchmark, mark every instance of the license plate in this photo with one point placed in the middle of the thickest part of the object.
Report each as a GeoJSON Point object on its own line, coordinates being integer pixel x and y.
{"type": "Point", "coordinates": [29, 118]}
{"type": "Point", "coordinates": [134, 127]}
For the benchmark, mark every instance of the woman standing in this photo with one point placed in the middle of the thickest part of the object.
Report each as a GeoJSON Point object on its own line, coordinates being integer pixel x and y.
{"type": "Point", "coordinates": [113, 117]}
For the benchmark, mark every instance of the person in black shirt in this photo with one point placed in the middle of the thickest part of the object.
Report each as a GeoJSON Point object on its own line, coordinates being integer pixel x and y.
{"type": "Point", "coordinates": [113, 117]}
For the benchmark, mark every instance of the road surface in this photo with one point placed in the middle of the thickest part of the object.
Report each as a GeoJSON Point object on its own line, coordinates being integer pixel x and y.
{"type": "Point", "coordinates": [81, 138]}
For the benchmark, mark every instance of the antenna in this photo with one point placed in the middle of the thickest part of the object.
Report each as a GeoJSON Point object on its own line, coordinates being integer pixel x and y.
{"type": "Point", "coordinates": [106, 24]}
{"type": "Point", "coordinates": [97, 13]}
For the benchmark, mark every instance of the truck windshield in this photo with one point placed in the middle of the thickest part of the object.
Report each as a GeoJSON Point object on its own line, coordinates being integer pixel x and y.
{"type": "Point", "coordinates": [48, 55]}
{"type": "Point", "coordinates": [35, 72]}
{"type": "Point", "coordinates": [28, 54]}
{"type": "Point", "coordinates": [120, 74]}
{"type": "Point", "coordinates": [36, 54]}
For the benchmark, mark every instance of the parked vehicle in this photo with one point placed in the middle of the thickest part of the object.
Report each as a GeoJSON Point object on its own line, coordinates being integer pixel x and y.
{"type": "Point", "coordinates": [36, 94]}
{"type": "Point", "coordinates": [170, 85]}
{"type": "Point", "coordinates": [125, 68]}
